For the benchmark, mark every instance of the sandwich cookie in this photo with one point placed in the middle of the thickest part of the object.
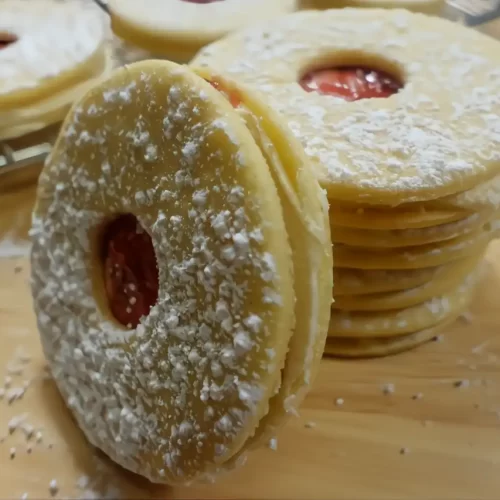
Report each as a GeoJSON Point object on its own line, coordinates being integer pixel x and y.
{"type": "Point", "coordinates": [53, 52]}
{"type": "Point", "coordinates": [417, 256]}
{"type": "Point", "coordinates": [170, 290]}
{"type": "Point", "coordinates": [398, 238]}
{"type": "Point", "coordinates": [354, 324]}
{"type": "Point", "coordinates": [384, 346]}
{"type": "Point", "coordinates": [449, 278]}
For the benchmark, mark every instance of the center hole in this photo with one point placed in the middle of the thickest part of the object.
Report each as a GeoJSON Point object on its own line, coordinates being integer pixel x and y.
{"type": "Point", "coordinates": [351, 83]}
{"type": "Point", "coordinates": [6, 39]}
{"type": "Point", "coordinates": [130, 270]}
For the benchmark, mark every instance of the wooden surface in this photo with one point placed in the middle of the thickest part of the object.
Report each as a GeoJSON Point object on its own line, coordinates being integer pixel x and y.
{"type": "Point", "coordinates": [442, 445]}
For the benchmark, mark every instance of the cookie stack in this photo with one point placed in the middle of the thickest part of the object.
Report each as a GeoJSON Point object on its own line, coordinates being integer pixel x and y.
{"type": "Point", "coordinates": [50, 54]}
{"type": "Point", "coordinates": [400, 116]}
{"type": "Point", "coordinates": [178, 29]}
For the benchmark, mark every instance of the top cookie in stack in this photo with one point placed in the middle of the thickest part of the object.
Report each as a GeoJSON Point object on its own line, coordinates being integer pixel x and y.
{"type": "Point", "coordinates": [399, 114]}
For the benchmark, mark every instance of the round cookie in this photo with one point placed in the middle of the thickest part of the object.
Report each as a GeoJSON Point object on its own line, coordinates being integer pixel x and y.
{"type": "Point", "coordinates": [430, 138]}
{"type": "Point", "coordinates": [55, 46]}
{"type": "Point", "coordinates": [225, 284]}
{"type": "Point", "coordinates": [179, 28]}
{"type": "Point", "coordinates": [186, 384]}
{"type": "Point", "coordinates": [486, 196]}
{"type": "Point", "coordinates": [410, 216]}
{"type": "Point", "coordinates": [392, 323]}
{"type": "Point", "coordinates": [434, 254]}
{"type": "Point", "coordinates": [384, 346]}
{"type": "Point", "coordinates": [427, 6]}
{"type": "Point", "coordinates": [448, 279]}
{"type": "Point", "coordinates": [397, 238]}
{"type": "Point", "coordinates": [368, 281]}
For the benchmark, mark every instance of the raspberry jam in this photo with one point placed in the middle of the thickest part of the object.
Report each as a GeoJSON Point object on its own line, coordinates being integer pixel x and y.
{"type": "Point", "coordinates": [130, 270]}
{"type": "Point", "coordinates": [351, 83]}
{"type": "Point", "coordinates": [232, 97]}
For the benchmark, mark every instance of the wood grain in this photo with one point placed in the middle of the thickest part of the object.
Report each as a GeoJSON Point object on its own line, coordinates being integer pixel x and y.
{"type": "Point", "coordinates": [444, 444]}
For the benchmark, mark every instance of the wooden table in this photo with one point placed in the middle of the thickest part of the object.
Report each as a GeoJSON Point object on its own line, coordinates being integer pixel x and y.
{"type": "Point", "coordinates": [436, 437]}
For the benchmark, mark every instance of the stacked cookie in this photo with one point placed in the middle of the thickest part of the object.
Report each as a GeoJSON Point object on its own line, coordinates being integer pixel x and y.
{"type": "Point", "coordinates": [181, 270]}
{"type": "Point", "coordinates": [50, 54]}
{"type": "Point", "coordinates": [399, 114]}
{"type": "Point", "coordinates": [177, 29]}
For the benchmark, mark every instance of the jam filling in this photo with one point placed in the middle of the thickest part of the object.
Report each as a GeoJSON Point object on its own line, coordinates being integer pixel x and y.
{"type": "Point", "coordinates": [232, 96]}
{"type": "Point", "coordinates": [351, 83]}
{"type": "Point", "coordinates": [130, 270]}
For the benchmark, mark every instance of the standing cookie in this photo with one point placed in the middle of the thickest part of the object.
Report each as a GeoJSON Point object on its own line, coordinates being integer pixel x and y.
{"type": "Point", "coordinates": [181, 278]}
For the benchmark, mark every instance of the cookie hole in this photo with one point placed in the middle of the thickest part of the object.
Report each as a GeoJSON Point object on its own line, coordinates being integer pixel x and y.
{"type": "Point", "coordinates": [7, 39]}
{"type": "Point", "coordinates": [129, 269]}
{"type": "Point", "coordinates": [353, 77]}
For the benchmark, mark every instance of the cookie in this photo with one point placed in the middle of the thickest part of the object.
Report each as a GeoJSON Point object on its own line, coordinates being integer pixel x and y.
{"type": "Point", "coordinates": [171, 362]}
{"type": "Point", "coordinates": [383, 119]}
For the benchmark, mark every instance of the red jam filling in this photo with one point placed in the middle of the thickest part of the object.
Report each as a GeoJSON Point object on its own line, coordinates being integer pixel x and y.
{"type": "Point", "coordinates": [130, 270]}
{"type": "Point", "coordinates": [351, 83]}
{"type": "Point", "coordinates": [233, 97]}
{"type": "Point", "coordinates": [6, 40]}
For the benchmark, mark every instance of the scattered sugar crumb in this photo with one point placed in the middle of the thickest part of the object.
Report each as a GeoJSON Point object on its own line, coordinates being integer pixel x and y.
{"type": "Point", "coordinates": [7, 382]}
{"type": "Point", "coordinates": [14, 394]}
{"type": "Point", "coordinates": [273, 444]}
{"type": "Point", "coordinates": [17, 269]}
{"type": "Point", "coordinates": [12, 453]}
{"type": "Point", "coordinates": [389, 388]}
{"type": "Point", "coordinates": [310, 425]}
{"type": "Point", "coordinates": [418, 395]}
{"type": "Point", "coordinates": [28, 431]}
{"type": "Point", "coordinates": [404, 451]}
{"type": "Point", "coordinates": [438, 338]}
{"type": "Point", "coordinates": [15, 422]}
{"type": "Point", "coordinates": [462, 383]}
{"type": "Point", "coordinates": [38, 437]}
{"type": "Point", "coordinates": [24, 496]}
{"type": "Point", "coordinates": [29, 449]}
{"type": "Point", "coordinates": [82, 482]}
{"type": "Point", "coordinates": [339, 401]}
{"type": "Point", "coordinates": [53, 487]}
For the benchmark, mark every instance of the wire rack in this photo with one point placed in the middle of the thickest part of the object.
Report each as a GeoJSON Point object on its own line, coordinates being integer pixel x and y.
{"type": "Point", "coordinates": [22, 159]}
